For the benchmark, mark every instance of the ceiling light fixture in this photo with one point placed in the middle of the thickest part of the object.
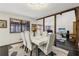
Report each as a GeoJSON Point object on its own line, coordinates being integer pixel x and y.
{"type": "Point", "coordinates": [37, 6]}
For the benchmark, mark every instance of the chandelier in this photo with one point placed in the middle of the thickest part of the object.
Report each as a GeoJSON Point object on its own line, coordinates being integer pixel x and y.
{"type": "Point", "coordinates": [37, 6]}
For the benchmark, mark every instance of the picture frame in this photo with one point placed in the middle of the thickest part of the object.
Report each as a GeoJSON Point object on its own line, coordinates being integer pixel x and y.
{"type": "Point", "coordinates": [3, 23]}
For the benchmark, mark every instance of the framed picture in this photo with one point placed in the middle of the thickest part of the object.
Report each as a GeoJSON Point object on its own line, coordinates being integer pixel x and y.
{"type": "Point", "coordinates": [3, 23]}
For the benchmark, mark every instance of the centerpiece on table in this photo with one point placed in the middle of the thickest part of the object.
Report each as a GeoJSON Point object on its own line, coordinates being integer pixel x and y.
{"type": "Point", "coordinates": [34, 29]}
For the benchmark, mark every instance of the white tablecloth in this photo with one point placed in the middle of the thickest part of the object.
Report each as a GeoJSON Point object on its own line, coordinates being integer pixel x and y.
{"type": "Point", "coordinates": [39, 40]}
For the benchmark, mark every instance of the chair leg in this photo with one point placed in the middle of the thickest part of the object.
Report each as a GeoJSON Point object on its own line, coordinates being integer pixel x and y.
{"type": "Point", "coordinates": [51, 53]}
{"type": "Point", "coordinates": [26, 49]}
{"type": "Point", "coordinates": [38, 51]}
{"type": "Point", "coordinates": [30, 53]}
{"type": "Point", "coordinates": [22, 46]}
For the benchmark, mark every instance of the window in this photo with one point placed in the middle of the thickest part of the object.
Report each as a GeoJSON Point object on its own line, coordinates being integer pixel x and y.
{"type": "Point", "coordinates": [15, 25]}
{"type": "Point", "coordinates": [66, 20]}
{"type": "Point", "coordinates": [49, 23]}
{"type": "Point", "coordinates": [40, 25]}
{"type": "Point", "coordinates": [25, 25]}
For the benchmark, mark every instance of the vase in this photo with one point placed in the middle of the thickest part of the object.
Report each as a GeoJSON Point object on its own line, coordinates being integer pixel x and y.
{"type": "Point", "coordinates": [33, 33]}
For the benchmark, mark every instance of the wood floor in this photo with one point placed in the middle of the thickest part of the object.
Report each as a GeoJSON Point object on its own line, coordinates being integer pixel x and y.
{"type": "Point", "coordinates": [67, 45]}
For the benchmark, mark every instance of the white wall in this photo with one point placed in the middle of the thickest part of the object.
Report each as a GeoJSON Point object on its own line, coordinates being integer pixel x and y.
{"type": "Point", "coordinates": [5, 34]}
{"type": "Point", "coordinates": [66, 21]}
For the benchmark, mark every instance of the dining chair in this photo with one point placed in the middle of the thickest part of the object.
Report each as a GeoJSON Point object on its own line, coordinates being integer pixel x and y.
{"type": "Point", "coordinates": [44, 33]}
{"type": "Point", "coordinates": [47, 48]}
{"type": "Point", "coordinates": [38, 33]}
{"type": "Point", "coordinates": [30, 45]}
{"type": "Point", "coordinates": [24, 41]}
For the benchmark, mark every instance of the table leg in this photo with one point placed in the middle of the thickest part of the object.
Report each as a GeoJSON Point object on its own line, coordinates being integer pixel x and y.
{"type": "Point", "coordinates": [4, 51]}
{"type": "Point", "coordinates": [36, 50]}
{"type": "Point", "coordinates": [30, 53]}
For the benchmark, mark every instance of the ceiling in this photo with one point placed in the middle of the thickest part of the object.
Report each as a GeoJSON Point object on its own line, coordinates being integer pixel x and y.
{"type": "Point", "coordinates": [25, 10]}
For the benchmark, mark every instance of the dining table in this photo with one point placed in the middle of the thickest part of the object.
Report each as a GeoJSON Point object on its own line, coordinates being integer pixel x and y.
{"type": "Point", "coordinates": [37, 40]}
